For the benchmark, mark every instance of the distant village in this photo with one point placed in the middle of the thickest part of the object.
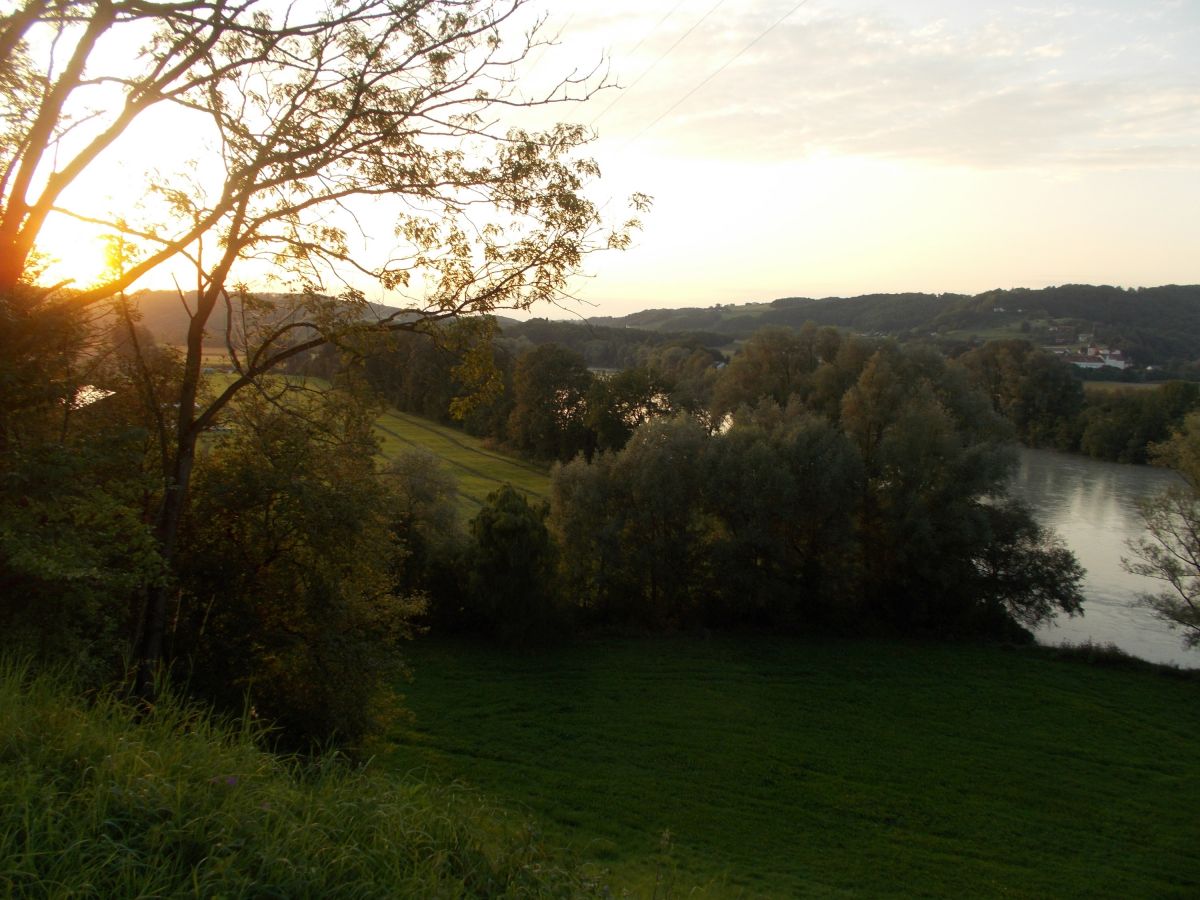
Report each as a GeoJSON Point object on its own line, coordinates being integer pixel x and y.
{"type": "Point", "coordinates": [1080, 349]}
{"type": "Point", "coordinates": [1095, 357]}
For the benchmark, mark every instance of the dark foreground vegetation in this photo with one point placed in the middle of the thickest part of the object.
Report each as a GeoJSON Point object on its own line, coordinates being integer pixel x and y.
{"type": "Point", "coordinates": [185, 805]}
{"type": "Point", "coordinates": [753, 766]}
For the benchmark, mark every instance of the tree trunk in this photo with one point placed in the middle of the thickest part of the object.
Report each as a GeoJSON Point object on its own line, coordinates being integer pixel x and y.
{"type": "Point", "coordinates": [150, 645]}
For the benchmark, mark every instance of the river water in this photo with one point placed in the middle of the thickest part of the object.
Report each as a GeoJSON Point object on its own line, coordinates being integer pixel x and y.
{"type": "Point", "coordinates": [1092, 506]}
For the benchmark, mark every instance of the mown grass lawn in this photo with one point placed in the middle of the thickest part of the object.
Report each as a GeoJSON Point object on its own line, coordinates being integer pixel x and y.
{"type": "Point", "coordinates": [477, 469]}
{"type": "Point", "coordinates": [796, 768]}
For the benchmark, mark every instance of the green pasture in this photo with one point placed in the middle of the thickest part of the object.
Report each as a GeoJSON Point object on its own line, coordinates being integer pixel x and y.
{"type": "Point", "coordinates": [768, 767]}
{"type": "Point", "coordinates": [478, 470]}
{"type": "Point", "coordinates": [174, 802]}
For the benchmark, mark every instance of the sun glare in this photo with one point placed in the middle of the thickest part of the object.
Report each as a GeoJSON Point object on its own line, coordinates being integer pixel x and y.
{"type": "Point", "coordinates": [75, 252]}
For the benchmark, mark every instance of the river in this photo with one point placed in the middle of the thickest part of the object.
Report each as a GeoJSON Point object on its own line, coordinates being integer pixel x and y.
{"type": "Point", "coordinates": [1092, 506]}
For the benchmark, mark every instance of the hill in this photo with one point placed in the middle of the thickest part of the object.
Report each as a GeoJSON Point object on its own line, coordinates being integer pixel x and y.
{"type": "Point", "coordinates": [165, 314]}
{"type": "Point", "coordinates": [1156, 326]}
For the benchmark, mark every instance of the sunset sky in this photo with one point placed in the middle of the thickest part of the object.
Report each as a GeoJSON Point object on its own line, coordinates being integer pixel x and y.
{"type": "Point", "coordinates": [890, 146]}
{"type": "Point", "coordinates": [836, 147]}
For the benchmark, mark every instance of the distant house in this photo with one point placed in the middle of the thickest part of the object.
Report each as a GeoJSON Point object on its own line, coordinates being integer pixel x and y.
{"type": "Point", "coordinates": [1099, 358]}
{"type": "Point", "coordinates": [1116, 359]}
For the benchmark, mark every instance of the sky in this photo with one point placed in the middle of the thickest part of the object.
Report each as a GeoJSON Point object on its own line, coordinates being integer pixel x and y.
{"type": "Point", "coordinates": [838, 147]}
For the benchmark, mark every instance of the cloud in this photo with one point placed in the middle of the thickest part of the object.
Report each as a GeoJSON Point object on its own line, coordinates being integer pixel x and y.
{"type": "Point", "coordinates": [1107, 84]}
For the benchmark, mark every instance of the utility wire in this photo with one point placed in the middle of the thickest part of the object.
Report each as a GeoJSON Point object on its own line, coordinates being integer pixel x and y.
{"type": "Point", "coordinates": [667, 53]}
{"type": "Point", "coordinates": [655, 27]}
{"type": "Point", "coordinates": [722, 68]}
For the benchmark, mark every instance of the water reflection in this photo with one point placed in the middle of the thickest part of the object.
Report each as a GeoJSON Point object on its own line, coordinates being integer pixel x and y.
{"type": "Point", "coordinates": [1093, 507]}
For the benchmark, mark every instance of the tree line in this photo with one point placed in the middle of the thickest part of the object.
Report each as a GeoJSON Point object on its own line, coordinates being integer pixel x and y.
{"type": "Point", "coordinates": [1154, 325]}
{"type": "Point", "coordinates": [1048, 406]}
{"type": "Point", "coordinates": [1040, 395]}
{"type": "Point", "coordinates": [828, 483]}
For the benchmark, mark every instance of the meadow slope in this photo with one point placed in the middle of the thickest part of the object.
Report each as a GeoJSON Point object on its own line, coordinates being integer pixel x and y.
{"type": "Point", "coordinates": [477, 469]}
{"type": "Point", "coordinates": [798, 768]}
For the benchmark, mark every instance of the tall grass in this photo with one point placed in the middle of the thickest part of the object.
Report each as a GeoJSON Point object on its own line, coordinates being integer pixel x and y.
{"type": "Point", "coordinates": [181, 804]}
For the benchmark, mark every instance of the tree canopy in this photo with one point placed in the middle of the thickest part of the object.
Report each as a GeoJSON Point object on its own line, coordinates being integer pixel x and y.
{"type": "Point", "coordinates": [297, 116]}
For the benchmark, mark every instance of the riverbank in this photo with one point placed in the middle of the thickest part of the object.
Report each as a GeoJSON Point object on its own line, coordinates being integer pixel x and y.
{"type": "Point", "coordinates": [771, 767]}
{"type": "Point", "coordinates": [1093, 506]}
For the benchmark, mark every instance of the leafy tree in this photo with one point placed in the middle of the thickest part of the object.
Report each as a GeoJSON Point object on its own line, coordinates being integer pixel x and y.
{"type": "Point", "coordinates": [631, 526]}
{"type": "Point", "coordinates": [1035, 391]}
{"type": "Point", "coordinates": [288, 572]}
{"type": "Point", "coordinates": [550, 390]}
{"type": "Point", "coordinates": [773, 365]}
{"type": "Point", "coordinates": [1023, 574]}
{"type": "Point", "coordinates": [304, 114]}
{"type": "Point", "coordinates": [1122, 425]}
{"type": "Point", "coordinates": [512, 564]}
{"type": "Point", "coordinates": [942, 551]}
{"type": "Point", "coordinates": [1171, 554]}
{"type": "Point", "coordinates": [781, 486]}
{"type": "Point", "coordinates": [586, 521]}
{"type": "Point", "coordinates": [424, 515]}
{"type": "Point", "coordinates": [616, 406]}
{"type": "Point", "coordinates": [74, 452]}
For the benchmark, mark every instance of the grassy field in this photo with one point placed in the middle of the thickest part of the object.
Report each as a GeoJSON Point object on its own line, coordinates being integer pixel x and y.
{"type": "Point", "coordinates": [93, 804]}
{"type": "Point", "coordinates": [765, 767]}
{"type": "Point", "coordinates": [479, 471]}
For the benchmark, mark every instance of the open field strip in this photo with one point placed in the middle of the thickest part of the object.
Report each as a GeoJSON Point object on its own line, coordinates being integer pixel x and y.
{"type": "Point", "coordinates": [1119, 387]}
{"type": "Point", "coordinates": [478, 470]}
{"type": "Point", "coordinates": [802, 767]}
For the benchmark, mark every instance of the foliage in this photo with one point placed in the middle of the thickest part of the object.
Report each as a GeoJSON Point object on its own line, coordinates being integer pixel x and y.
{"type": "Point", "coordinates": [550, 389]}
{"type": "Point", "coordinates": [1154, 325]}
{"type": "Point", "coordinates": [1123, 425]}
{"type": "Point", "coordinates": [1171, 554]}
{"type": "Point", "coordinates": [513, 589]}
{"type": "Point", "coordinates": [300, 117]}
{"type": "Point", "coordinates": [634, 543]}
{"type": "Point", "coordinates": [73, 550]}
{"type": "Point", "coordinates": [874, 498]}
{"type": "Point", "coordinates": [74, 544]}
{"type": "Point", "coordinates": [617, 405]}
{"type": "Point", "coordinates": [1033, 390]}
{"type": "Point", "coordinates": [183, 804]}
{"type": "Point", "coordinates": [772, 365]}
{"type": "Point", "coordinates": [780, 486]}
{"type": "Point", "coordinates": [288, 572]}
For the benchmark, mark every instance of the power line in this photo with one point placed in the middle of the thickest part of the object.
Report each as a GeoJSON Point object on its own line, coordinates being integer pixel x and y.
{"type": "Point", "coordinates": [653, 28]}
{"type": "Point", "coordinates": [722, 68]}
{"type": "Point", "coordinates": [667, 53]}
